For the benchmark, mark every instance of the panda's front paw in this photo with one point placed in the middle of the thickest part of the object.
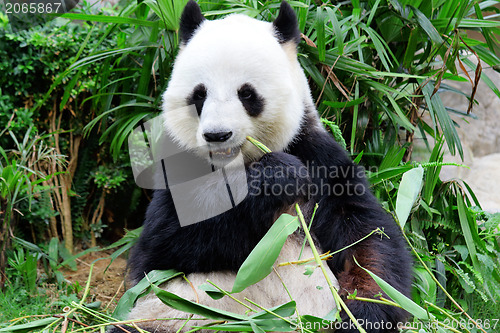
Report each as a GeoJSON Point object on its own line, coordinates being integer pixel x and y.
{"type": "Point", "coordinates": [283, 176]}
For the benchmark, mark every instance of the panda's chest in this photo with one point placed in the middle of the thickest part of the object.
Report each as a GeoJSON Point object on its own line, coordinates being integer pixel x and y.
{"type": "Point", "coordinates": [210, 195]}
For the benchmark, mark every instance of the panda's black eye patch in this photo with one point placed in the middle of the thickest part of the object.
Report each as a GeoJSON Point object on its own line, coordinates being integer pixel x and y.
{"type": "Point", "coordinates": [199, 94]}
{"type": "Point", "coordinates": [198, 97]}
{"type": "Point", "coordinates": [246, 93]}
{"type": "Point", "coordinates": [251, 100]}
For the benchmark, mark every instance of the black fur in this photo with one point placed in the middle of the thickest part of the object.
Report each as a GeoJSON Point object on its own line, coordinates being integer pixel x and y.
{"type": "Point", "coordinates": [198, 97]}
{"type": "Point", "coordinates": [286, 25]}
{"type": "Point", "coordinates": [191, 19]}
{"type": "Point", "coordinates": [251, 100]}
{"type": "Point", "coordinates": [122, 329]}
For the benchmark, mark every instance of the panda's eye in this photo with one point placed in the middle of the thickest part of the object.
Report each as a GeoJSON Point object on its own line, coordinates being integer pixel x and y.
{"type": "Point", "coordinates": [197, 97]}
{"type": "Point", "coordinates": [246, 93]}
{"type": "Point", "coordinates": [200, 93]}
{"type": "Point", "coordinates": [251, 100]}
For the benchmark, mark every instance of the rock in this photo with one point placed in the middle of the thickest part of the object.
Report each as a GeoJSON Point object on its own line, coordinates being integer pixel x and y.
{"type": "Point", "coordinates": [481, 135]}
{"type": "Point", "coordinates": [484, 179]}
{"type": "Point", "coordinates": [480, 140]}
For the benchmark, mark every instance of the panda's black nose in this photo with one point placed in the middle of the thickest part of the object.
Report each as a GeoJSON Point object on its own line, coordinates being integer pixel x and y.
{"type": "Point", "coordinates": [217, 136]}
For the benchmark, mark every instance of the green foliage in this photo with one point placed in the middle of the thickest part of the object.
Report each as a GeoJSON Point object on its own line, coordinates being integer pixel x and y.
{"type": "Point", "coordinates": [16, 177]}
{"type": "Point", "coordinates": [27, 259]}
{"type": "Point", "coordinates": [25, 266]}
{"type": "Point", "coordinates": [458, 243]}
{"type": "Point", "coordinates": [37, 88]}
{"type": "Point", "coordinates": [34, 283]}
{"type": "Point", "coordinates": [108, 178]}
{"type": "Point", "coordinates": [30, 61]}
{"type": "Point", "coordinates": [20, 182]}
{"type": "Point", "coordinates": [16, 303]}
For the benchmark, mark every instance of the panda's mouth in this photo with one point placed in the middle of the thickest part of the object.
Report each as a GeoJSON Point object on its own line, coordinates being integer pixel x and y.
{"type": "Point", "coordinates": [223, 153]}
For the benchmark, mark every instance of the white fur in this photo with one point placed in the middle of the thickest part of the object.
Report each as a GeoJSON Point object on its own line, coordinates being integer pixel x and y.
{"type": "Point", "coordinates": [223, 55]}
{"type": "Point", "coordinates": [209, 193]}
{"type": "Point", "coordinates": [268, 293]}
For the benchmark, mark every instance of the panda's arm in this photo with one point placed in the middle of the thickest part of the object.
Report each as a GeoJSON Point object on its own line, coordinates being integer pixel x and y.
{"type": "Point", "coordinates": [347, 212]}
{"type": "Point", "coordinates": [343, 222]}
{"type": "Point", "coordinates": [222, 242]}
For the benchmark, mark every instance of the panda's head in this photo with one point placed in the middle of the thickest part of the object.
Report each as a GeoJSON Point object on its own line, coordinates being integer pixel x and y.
{"type": "Point", "coordinates": [243, 78]}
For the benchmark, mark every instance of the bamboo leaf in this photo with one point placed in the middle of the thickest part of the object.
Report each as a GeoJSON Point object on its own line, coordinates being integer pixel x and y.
{"type": "Point", "coordinates": [399, 298]}
{"type": "Point", "coordinates": [427, 26]}
{"type": "Point", "coordinates": [320, 33]}
{"type": "Point", "coordinates": [407, 194]}
{"type": "Point", "coordinates": [346, 104]}
{"type": "Point", "coordinates": [411, 48]}
{"type": "Point", "coordinates": [128, 299]}
{"type": "Point", "coordinates": [185, 305]}
{"type": "Point", "coordinates": [339, 38]}
{"type": "Point", "coordinates": [259, 145]}
{"type": "Point", "coordinates": [260, 261]}
{"type": "Point", "coordinates": [389, 173]}
{"type": "Point", "coordinates": [466, 23]}
{"type": "Point", "coordinates": [379, 47]}
{"type": "Point", "coordinates": [437, 110]}
{"type": "Point", "coordinates": [284, 310]}
{"type": "Point", "coordinates": [109, 19]}
{"type": "Point", "coordinates": [36, 324]}
{"type": "Point", "coordinates": [266, 325]}
{"type": "Point", "coordinates": [467, 230]}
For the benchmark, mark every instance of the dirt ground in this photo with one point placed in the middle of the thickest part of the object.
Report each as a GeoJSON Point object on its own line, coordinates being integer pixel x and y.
{"type": "Point", "coordinates": [107, 285]}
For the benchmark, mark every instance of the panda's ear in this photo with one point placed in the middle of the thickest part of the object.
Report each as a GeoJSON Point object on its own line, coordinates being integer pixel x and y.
{"type": "Point", "coordinates": [286, 24]}
{"type": "Point", "coordinates": [191, 19]}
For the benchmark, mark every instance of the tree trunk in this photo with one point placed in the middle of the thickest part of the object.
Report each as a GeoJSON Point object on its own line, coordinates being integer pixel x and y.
{"type": "Point", "coordinates": [96, 217]}
{"type": "Point", "coordinates": [66, 213]}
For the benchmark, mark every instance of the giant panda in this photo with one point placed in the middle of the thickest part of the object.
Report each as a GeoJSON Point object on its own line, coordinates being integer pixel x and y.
{"type": "Point", "coordinates": [243, 78]}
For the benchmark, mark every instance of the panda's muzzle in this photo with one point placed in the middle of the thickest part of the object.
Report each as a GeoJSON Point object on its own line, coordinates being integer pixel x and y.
{"type": "Point", "coordinates": [218, 150]}
{"type": "Point", "coordinates": [217, 136]}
